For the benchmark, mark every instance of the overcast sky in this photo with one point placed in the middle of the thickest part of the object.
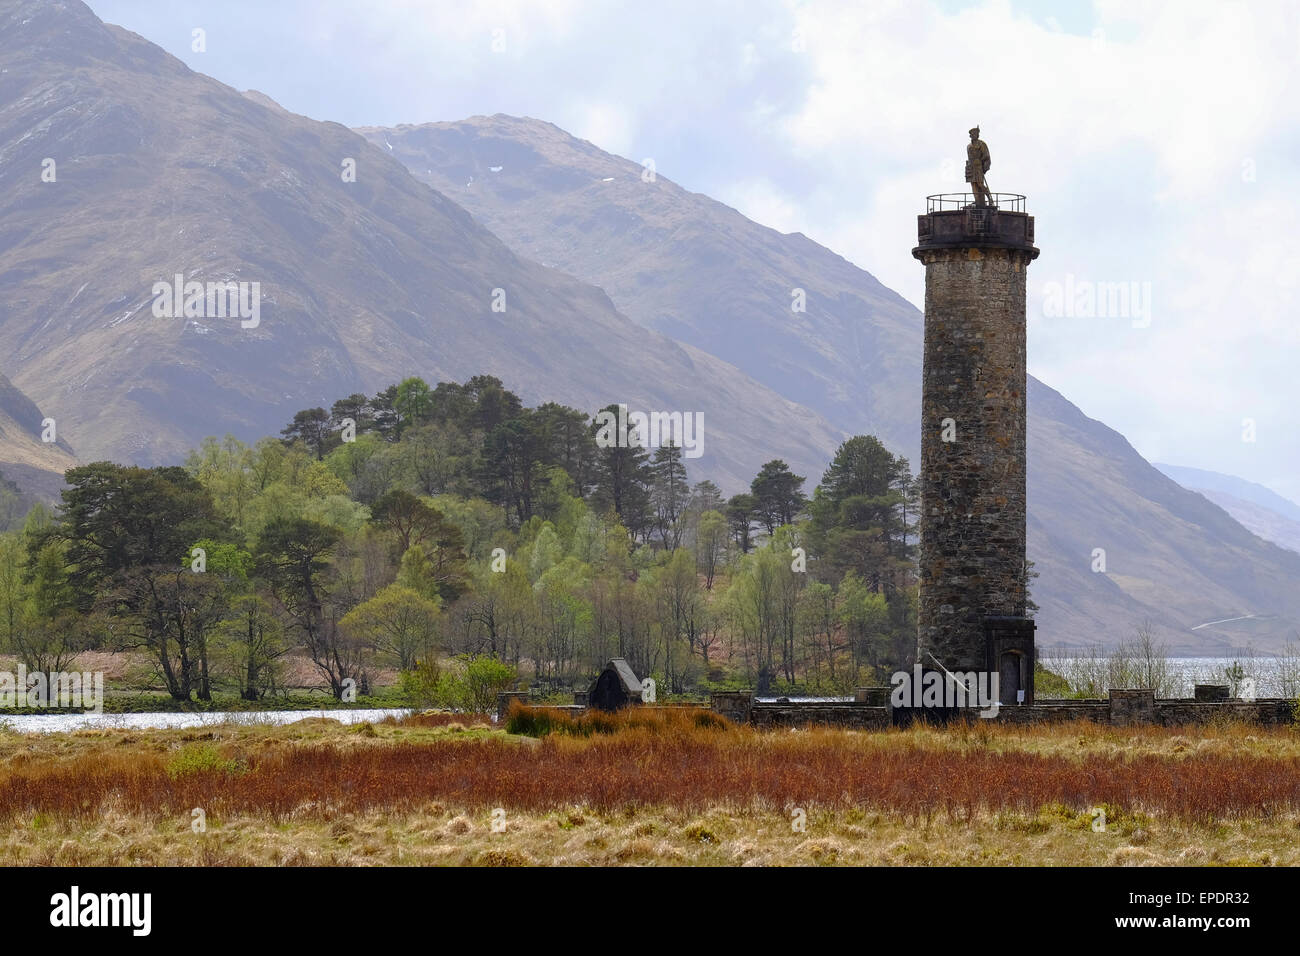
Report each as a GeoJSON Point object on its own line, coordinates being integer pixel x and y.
{"type": "Point", "coordinates": [1159, 145]}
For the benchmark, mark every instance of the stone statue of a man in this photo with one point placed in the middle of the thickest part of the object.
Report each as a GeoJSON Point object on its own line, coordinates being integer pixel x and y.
{"type": "Point", "coordinates": [977, 164]}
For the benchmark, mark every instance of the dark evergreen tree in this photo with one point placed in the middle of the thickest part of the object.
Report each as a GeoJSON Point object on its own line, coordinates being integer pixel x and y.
{"type": "Point", "coordinates": [669, 495]}
{"type": "Point", "coordinates": [355, 407]}
{"type": "Point", "coordinates": [857, 520]}
{"type": "Point", "coordinates": [510, 470]}
{"type": "Point", "coordinates": [312, 427]}
{"type": "Point", "coordinates": [387, 421]}
{"type": "Point", "coordinates": [565, 440]}
{"type": "Point", "coordinates": [706, 496]}
{"type": "Point", "coordinates": [778, 498]}
{"type": "Point", "coordinates": [128, 535]}
{"type": "Point", "coordinates": [494, 404]}
{"type": "Point", "coordinates": [623, 476]}
{"type": "Point", "coordinates": [740, 520]}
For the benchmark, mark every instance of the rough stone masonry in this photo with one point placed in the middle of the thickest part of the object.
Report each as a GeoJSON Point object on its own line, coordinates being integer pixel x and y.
{"type": "Point", "coordinates": [972, 535]}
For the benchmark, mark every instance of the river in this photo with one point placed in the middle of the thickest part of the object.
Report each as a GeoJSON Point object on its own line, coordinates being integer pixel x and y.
{"type": "Point", "coordinates": [56, 723]}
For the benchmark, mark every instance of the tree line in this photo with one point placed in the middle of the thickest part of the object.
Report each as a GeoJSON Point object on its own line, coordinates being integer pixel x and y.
{"type": "Point", "coordinates": [422, 523]}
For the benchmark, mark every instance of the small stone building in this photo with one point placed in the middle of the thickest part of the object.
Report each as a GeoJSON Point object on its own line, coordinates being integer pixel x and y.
{"type": "Point", "coordinates": [616, 687]}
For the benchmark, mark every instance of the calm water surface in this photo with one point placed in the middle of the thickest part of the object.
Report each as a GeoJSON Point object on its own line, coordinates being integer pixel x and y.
{"type": "Point", "coordinates": [51, 723]}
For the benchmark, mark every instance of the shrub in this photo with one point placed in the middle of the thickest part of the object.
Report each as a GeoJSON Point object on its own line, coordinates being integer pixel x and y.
{"type": "Point", "coordinates": [485, 678]}
{"type": "Point", "coordinates": [422, 684]}
{"type": "Point", "coordinates": [470, 684]}
{"type": "Point", "coordinates": [533, 721]}
{"type": "Point", "coordinates": [1049, 685]}
{"type": "Point", "coordinates": [203, 759]}
{"type": "Point", "coordinates": [658, 721]}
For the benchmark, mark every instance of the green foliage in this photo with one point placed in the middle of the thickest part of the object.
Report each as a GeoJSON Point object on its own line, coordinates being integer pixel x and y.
{"type": "Point", "coordinates": [486, 677]}
{"type": "Point", "coordinates": [1049, 685]}
{"type": "Point", "coordinates": [117, 519]}
{"type": "Point", "coordinates": [421, 685]}
{"type": "Point", "coordinates": [431, 548]}
{"type": "Point", "coordinates": [857, 521]}
{"type": "Point", "coordinates": [482, 525]}
{"type": "Point", "coordinates": [710, 545]}
{"type": "Point", "coordinates": [398, 621]}
{"type": "Point", "coordinates": [455, 520]}
{"type": "Point", "coordinates": [545, 552]}
{"type": "Point", "coordinates": [470, 683]}
{"type": "Point", "coordinates": [1234, 674]}
{"type": "Point", "coordinates": [338, 511]}
{"type": "Point", "coordinates": [223, 558]}
{"type": "Point", "coordinates": [413, 401]}
{"type": "Point", "coordinates": [204, 758]}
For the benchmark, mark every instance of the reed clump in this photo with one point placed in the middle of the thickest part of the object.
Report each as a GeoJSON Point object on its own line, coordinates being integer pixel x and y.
{"type": "Point", "coordinates": [672, 721]}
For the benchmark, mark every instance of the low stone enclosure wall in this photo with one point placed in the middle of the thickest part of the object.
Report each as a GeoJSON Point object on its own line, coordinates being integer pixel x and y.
{"type": "Point", "coordinates": [872, 712]}
{"type": "Point", "coordinates": [1121, 708]}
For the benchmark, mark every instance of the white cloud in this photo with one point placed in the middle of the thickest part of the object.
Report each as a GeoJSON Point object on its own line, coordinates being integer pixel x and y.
{"type": "Point", "coordinates": [603, 123]}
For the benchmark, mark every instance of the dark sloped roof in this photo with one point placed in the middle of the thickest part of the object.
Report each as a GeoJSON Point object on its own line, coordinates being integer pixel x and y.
{"type": "Point", "coordinates": [625, 674]}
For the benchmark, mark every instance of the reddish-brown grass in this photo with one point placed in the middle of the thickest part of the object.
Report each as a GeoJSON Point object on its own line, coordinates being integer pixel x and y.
{"type": "Point", "coordinates": [686, 766]}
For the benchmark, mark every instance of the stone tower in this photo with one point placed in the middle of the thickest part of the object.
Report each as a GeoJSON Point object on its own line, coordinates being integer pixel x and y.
{"type": "Point", "coordinates": [972, 550]}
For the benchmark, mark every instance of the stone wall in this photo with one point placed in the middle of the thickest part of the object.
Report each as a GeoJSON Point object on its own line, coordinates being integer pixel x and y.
{"type": "Point", "coordinates": [736, 706]}
{"type": "Point", "coordinates": [1057, 712]}
{"type": "Point", "coordinates": [505, 699]}
{"type": "Point", "coordinates": [829, 713]}
{"type": "Point", "coordinates": [1123, 708]}
{"type": "Point", "coordinates": [1265, 710]}
{"type": "Point", "coordinates": [1132, 707]}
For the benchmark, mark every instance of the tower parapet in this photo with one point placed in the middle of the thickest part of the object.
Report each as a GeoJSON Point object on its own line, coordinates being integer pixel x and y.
{"type": "Point", "coordinates": [952, 220]}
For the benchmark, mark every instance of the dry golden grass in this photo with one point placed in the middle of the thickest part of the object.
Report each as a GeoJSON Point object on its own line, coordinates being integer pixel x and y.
{"type": "Point", "coordinates": [653, 788]}
{"type": "Point", "coordinates": [651, 836]}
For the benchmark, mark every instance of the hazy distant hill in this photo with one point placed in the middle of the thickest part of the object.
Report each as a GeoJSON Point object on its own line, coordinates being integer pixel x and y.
{"type": "Point", "coordinates": [34, 465]}
{"type": "Point", "coordinates": [160, 170]}
{"type": "Point", "coordinates": [1261, 510]}
{"type": "Point", "coordinates": [683, 263]}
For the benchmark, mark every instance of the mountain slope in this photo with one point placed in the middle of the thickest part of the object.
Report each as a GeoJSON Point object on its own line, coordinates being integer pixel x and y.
{"type": "Point", "coordinates": [163, 171]}
{"type": "Point", "coordinates": [685, 265]}
{"type": "Point", "coordinates": [35, 466]}
{"type": "Point", "coordinates": [1260, 510]}
{"type": "Point", "coordinates": [681, 262]}
{"type": "Point", "coordinates": [1239, 488]}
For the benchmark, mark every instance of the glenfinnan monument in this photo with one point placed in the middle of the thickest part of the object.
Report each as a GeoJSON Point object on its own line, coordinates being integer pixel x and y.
{"type": "Point", "coordinates": [976, 248]}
